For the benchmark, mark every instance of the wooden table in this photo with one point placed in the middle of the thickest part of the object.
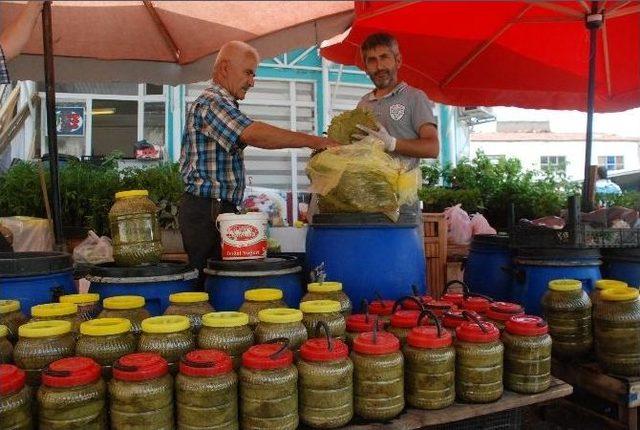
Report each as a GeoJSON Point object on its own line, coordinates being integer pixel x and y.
{"type": "Point", "coordinates": [413, 419]}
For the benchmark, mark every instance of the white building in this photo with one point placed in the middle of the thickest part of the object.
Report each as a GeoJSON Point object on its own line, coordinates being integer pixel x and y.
{"type": "Point", "coordinates": [538, 148]}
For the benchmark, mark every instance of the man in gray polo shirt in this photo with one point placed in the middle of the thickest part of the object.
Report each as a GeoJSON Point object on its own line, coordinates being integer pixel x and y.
{"type": "Point", "coordinates": [406, 123]}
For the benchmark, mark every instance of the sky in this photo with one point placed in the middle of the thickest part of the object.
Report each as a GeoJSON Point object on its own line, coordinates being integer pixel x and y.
{"type": "Point", "coordinates": [625, 124]}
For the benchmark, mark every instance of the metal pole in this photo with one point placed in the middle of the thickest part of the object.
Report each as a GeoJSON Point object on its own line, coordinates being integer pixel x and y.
{"type": "Point", "coordinates": [52, 142]}
{"type": "Point", "coordinates": [593, 22]}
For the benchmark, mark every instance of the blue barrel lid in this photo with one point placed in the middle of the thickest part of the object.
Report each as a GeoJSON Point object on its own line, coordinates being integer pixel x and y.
{"type": "Point", "coordinates": [110, 270]}
{"type": "Point", "coordinates": [267, 264]}
{"type": "Point", "coordinates": [558, 253]}
{"type": "Point", "coordinates": [18, 264]}
{"type": "Point", "coordinates": [501, 240]}
{"type": "Point", "coordinates": [364, 219]}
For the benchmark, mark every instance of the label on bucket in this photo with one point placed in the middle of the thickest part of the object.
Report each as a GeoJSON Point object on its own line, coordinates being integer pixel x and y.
{"type": "Point", "coordinates": [243, 237]}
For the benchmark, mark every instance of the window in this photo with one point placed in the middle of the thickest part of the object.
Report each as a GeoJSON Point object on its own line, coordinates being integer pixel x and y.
{"type": "Point", "coordinates": [553, 163]}
{"type": "Point", "coordinates": [611, 162]}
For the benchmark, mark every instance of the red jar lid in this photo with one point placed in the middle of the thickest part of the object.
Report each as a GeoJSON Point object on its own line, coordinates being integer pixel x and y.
{"type": "Point", "coordinates": [140, 366]}
{"type": "Point", "coordinates": [381, 307]}
{"type": "Point", "coordinates": [413, 306]}
{"type": "Point", "coordinates": [317, 349]}
{"type": "Point", "coordinates": [264, 357]}
{"type": "Point", "coordinates": [455, 298]}
{"type": "Point", "coordinates": [405, 319]}
{"type": "Point", "coordinates": [206, 363]}
{"type": "Point", "coordinates": [12, 379]}
{"type": "Point", "coordinates": [439, 307]}
{"type": "Point", "coordinates": [427, 337]}
{"type": "Point", "coordinates": [71, 372]}
{"type": "Point", "coordinates": [471, 332]}
{"type": "Point", "coordinates": [477, 304]}
{"type": "Point", "coordinates": [357, 323]}
{"type": "Point", "coordinates": [453, 318]}
{"type": "Point", "coordinates": [385, 343]}
{"type": "Point", "coordinates": [526, 325]}
{"type": "Point", "coordinates": [502, 311]}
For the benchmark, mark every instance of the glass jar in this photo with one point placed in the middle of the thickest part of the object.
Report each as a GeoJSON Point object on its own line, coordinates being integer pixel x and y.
{"type": "Point", "coordinates": [128, 307]}
{"type": "Point", "coordinates": [451, 320]}
{"type": "Point", "coordinates": [105, 340]}
{"type": "Point", "coordinates": [456, 297]}
{"type": "Point", "coordinates": [329, 291]}
{"type": "Point", "coordinates": [141, 393]}
{"type": "Point", "coordinates": [616, 322]}
{"type": "Point", "coordinates": [268, 377]}
{"type": "Point", "coordinates": [167, 335]}
{"type": "Point", "coordinates": [281, 323]}
{"type": "Point", "coordinates": [15, 399]}
{"type": "Point", "coordinates": [479, 362]}
{"type": "Point", "coordinates": [382, 309]}
{"type": "Point", "coordinates": [88, 305]}
{"type": "Point", "coordinates": [378, 376]}
{"type": "Point", "coordinates": [527, 355]}
{"type": "Point", "coordinates": [439, 307]}
{"type": "Point", "coordinates": [360, 323]}
{"type": "Point", "coordinates": [499, 312]}
{"type": "Point", "coordinates": [601, 285]}
{"type": "Point", "coordinates": [72, 395]}
{"type": "Point", "coordinates": [134, 229]}
{"type": "Point", "coordinates": [57, 311]}
{"type": "Point", "coordinates": [259, 299]}
{"type": "Point", "coordinates": [190, 304]}
{"type": "Point", "coordinates": [476, 303]}
{"type": "Point", "coordinates": [207, 391]}
{"type": "Point", "coordinates": [41, 343]}
{"type": "Point", "coordinates": [327, 311]}
{"type": "Point", "coordinates": [325, 382]}
{"type": "Point", "coordinates": [6, 348]}
{"type": "Point", "coordinates": [12, 318]}
{"type": "Point", "coordinates": [228, 332]}
{"type": "Point", "coordinates": [567, 310]}
{"type": "Point", "coordinates": [430, 361]}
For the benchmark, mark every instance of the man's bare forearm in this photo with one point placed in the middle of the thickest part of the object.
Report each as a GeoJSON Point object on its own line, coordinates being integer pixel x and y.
{"type": "Point", "coordinates": [262, 135]}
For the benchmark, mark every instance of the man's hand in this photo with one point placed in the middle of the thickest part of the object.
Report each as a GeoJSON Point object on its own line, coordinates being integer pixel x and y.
{"type": "Point", "coordinates": [324, 143]}
{"type": "Point", "coordinates": [382, 134]}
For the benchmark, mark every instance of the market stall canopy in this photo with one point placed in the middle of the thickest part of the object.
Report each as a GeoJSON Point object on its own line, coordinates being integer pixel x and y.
{"type": "Point", "coordinates": [168, 42]}
{"type": "Point", "coordinates": [506, 53]}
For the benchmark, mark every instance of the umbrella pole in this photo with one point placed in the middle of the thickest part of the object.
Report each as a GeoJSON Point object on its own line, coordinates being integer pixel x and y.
{"type": "Point", "coordinates": [52, 141]}
{"type": "Point", "coordinates": [593, 23]}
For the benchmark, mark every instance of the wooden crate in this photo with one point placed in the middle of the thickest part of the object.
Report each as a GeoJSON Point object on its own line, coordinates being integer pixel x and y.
{"type": "Point", "coordinates": [435, 246]}
{"type": "Point", "coordinates": [622, 392]}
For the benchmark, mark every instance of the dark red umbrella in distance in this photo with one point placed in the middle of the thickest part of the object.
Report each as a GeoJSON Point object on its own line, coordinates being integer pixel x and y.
{"type": "Point", "coordinates": [529, 54]}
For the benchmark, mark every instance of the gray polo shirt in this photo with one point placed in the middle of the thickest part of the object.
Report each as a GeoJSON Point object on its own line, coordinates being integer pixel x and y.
{"type": "Point", "coordinates": [402, 112]}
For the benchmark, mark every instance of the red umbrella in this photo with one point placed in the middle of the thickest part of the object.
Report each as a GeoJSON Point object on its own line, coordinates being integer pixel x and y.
{"type": "Point", "coordinates": [510, 53]}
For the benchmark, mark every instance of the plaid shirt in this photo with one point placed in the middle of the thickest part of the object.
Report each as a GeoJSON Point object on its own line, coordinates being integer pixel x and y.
{"type": "Point", "coordinates": [211, 157]}
{"type": "Point", "coordinates": [4, 73]}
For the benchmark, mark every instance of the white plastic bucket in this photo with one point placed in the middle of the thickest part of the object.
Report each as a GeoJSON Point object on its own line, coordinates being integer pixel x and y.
{"type": "Point", "coordinates": [243, 237]}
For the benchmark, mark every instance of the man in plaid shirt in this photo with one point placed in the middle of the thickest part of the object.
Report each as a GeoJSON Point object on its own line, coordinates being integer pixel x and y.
{"type": "Point", "coordinates": [16, 35]}
{"type": "Point", "coordinates": [212, 161]}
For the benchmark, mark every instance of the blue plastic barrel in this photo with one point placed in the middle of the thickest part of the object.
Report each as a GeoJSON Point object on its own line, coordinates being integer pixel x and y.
{"type": "Point", "coordinates": [369, 254]}
{"type": "Point", "coordinates": [534, 268]}
{"type": "Point", "coordinates": [227, 281]}
{"type": "Point", "coordinates": [155, 283]}
{"type": "Point", "coordinates": [622, 264]}
{"type": "Point", "coordinates": [488, 267]}
{"type": "Point", "coordinates": [34, 278]}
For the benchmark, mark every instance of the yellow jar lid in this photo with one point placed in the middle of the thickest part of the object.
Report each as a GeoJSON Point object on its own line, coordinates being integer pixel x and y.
{"type": "Point", "coordinates": [565, 285]}
{"type": "Point", "coordinates": [280, 315]}
{"type": "Point", "coordinates": [320, 306]}
{"type": "Point", "coordinates": [263, 295]}
{"type": "Point", "coordinates": [105, 326]}
{"type": "Point", "coordinates": [225, 319]}
{"type": "Point", "coordinates": [4, 331]}
{"type": "Point", "coordinates": [7, 306]}
{"type": "Point", "coordinates": [324, 287]}
{"type": "Point", "coordinates": [189, 297]}
{"type": "Point", "coordinates": [52, 310]}
{"type": "Point", "coordinates": [131, 193]}
{"type": "Point", "coordinates": [123, 302]}
{"type": "Point", "coordinates": [44, 328]}
{"type": "Point", "coordinates": [80, 299]}
{"type": "Point", "coordinates": [619, 294]}
{"type": "Point", "coordinates": [605, 284]}
{"type": "Point", "coordinates": [165, 324]}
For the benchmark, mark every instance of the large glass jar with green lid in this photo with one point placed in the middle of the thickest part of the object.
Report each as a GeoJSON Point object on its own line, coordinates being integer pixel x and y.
{"type": "Point", "coordinates": [12, 317]}
{"type": "Point", "coordinates": [259, 299]}
{"type": "Point", "coordinates": [134, 229]}
{"type": "Point", "coordinates": [128, 307]}
{"type": "Point", "coordinates": [228, 332]}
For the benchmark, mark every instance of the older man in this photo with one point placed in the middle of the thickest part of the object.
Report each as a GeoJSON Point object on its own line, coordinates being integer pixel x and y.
{"type": "Point", "coordinates": [211, 161]}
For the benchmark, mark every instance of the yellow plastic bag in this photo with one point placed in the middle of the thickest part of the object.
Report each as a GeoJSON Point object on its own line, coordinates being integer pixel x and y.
{"type": "Point", "coordinates": [362, 178]}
